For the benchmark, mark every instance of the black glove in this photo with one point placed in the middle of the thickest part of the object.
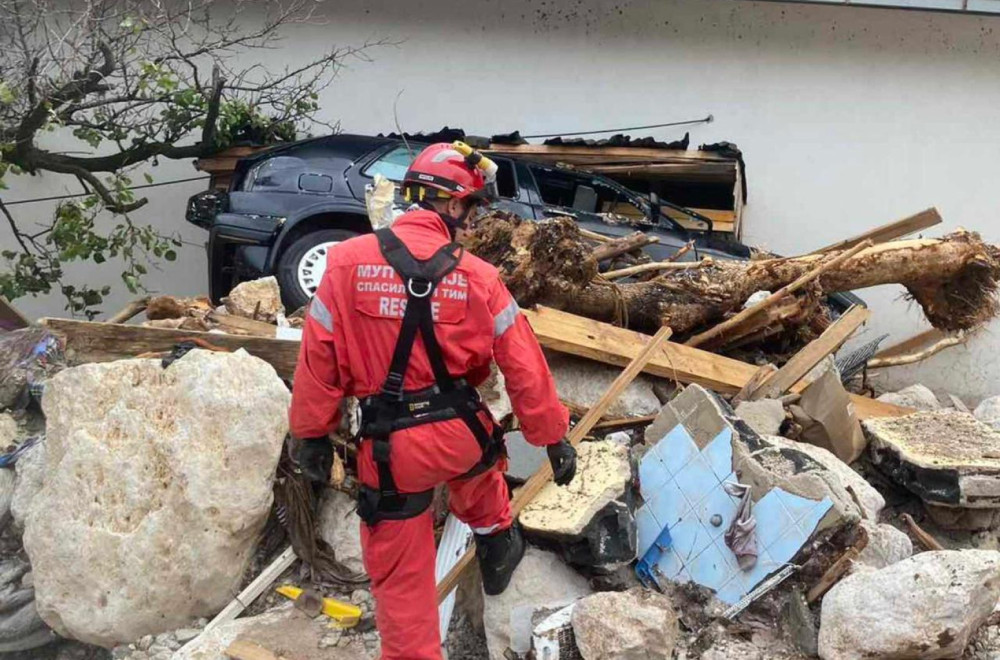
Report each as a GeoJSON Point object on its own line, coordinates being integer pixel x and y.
{"type": "Point", "coordinates": [562, 455]}
{"type": "Point", "coordinates": [315, 458]}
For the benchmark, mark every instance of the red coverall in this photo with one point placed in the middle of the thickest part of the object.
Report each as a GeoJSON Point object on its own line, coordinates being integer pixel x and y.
{"type": "Point", "coordinates": [347, 345]}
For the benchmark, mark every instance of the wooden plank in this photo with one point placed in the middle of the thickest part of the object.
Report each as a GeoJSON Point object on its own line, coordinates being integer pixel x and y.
{"type": "Point", "coordinates": [776, 297]}
{"type": "Point", "coordinates": [103, 342]}
{"type": "Point", "coordinates": [803, 362]}
{"type": "Point", "coordinates": [624, 422]}
{"type": "Point", "coordinates": [541, 478]}
{"type": "Point", "coordinates": [243, 649]}
{"type": "Point", "coordinates": [249, 326]}
{"type": "Point", "coordinates": [925, 539]}
{"type": "Point", "coordinates": [889, 232]}
{"type": "Point", "coordinates": [603, 342]}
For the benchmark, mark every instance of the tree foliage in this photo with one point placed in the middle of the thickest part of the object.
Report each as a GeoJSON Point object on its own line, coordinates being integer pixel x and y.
{"type": "Point", "coordinates": [95, 89]}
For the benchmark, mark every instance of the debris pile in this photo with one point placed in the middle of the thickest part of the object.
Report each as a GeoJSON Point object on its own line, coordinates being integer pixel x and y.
{"type": "Point", "coordinates": [745, 496]}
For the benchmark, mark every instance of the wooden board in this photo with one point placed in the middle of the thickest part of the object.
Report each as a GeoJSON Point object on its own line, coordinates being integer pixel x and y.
{"type": "Point", "coordinates": [889, 232]}
{"type": "Point", "coordinates": [603, 342]}
{"type": "Point", "coordinates": [103, 342]}
{"type": "Point", "coordinates": [803, 362]}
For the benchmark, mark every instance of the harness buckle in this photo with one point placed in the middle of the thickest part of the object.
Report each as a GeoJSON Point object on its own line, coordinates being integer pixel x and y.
{"type": "Point", "coordinates": [429, 286]}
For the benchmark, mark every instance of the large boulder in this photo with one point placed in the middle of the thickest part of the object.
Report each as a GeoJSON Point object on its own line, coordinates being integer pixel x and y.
{"type": "Point", "coordinates": [927, 606]}
{"type": "Point", "coordinates": [340, 527]}
{"type": "Point", "coordinates": [29, 471]}
{"type": "Point", "coordinates": [541, 580]}
{"type": "Point", "coordinates": [157, 486]}
{"type": "Point", "coordinates": [988, 412]}
{"type": "Point", "coordinates": [918, 397]}
{"type": "Point", "coordinates": [638, 624]}
{"type": "Point", "coordinates": [886, 546]}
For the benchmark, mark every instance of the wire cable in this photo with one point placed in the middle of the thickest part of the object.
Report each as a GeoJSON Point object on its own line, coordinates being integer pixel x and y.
{"type": "Point", "coordinates": [71, 196]}
{"type": "Point", "coordinates": [707, 120]}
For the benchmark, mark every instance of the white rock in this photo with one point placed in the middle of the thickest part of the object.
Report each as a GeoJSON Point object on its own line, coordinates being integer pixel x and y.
{"type": "Point", "coordinates": [29, 473]}
{"type": "Point", "coordinates": [624, 625]}
{"type": "Point", "coordinates": [583, 382]}
{"type": "Point", "coordinates": [261, 297]}
{"type": "Point", "coordinates": [541, 579]}
{"type": "Point", "coordinates": [764, 416]}
{"type": "Point", "coordinates": [8, 431]}
{"type": "Point", "coordinates": [602, 471]}
{"type": "Point", "coordinates": [871, 500]}
{"type": "Point", "coordinates": [886, 546]}
{"type": "Point", "coordinates": [340, 527]}
{"type": "Point", "coordinates": [158, 484]}
{"type": "Point", "coordinates": [988, 412]}
{"type": "Point", "coordinates": [915, 396]}
{"type": "Point", "coordinates": [927, 606]}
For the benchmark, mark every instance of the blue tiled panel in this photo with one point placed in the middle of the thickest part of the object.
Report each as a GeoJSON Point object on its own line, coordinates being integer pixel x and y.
{"type": "Point", "coordinates": [676, 449]}
{"type": "Point", "coordinates": [653, 474]}
{"type": "Point", "coordinates": [719, 454]}
{"type": "Point", "coordinates": [682, 489]}
{"type": "Point", "coordinates": [696, 480]}
{"type": "Point", "coordinates": [717, 502]}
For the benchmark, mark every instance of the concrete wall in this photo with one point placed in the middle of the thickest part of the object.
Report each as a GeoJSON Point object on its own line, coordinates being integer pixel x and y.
{"type": "Point", "coordinates": [847, 117]}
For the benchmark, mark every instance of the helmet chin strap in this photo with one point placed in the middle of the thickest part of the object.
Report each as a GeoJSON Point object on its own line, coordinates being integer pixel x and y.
{"type": "Point", "coordinates": [451, 222]}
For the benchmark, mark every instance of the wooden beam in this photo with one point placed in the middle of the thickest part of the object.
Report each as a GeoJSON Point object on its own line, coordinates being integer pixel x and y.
{"type": "Point", "coordinates": [803, 362]}
{"type": "Point", "coordinates": [624, 422]}
{"type": "Point", "coordinates": [776, 297]}
{"type": "Point", "coordinates": [914, 343]}
{"type": "Point", "coordinates": [603, 342]}
{"type": "Point", "coordinates": [918, 356]}
{"type": "Point", "coordinates": [890, 232]}
{"type": "Point", "coordinates": [656, 265]}
{"type": "Point", "coordinates": [925, 539]}
{"type": "Point", "coordinates": [104, 342]}
{"type": "Point", "coordinates": [245, 325]}
{"type": "Point", "coordinates": [541, 478]}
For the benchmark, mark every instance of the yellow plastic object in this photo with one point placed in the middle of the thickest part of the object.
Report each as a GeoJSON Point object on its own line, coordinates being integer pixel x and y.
{"type": "Point", "coordinates": [344, 615]}
{"type": "Point", "coordinates": [485, 163]}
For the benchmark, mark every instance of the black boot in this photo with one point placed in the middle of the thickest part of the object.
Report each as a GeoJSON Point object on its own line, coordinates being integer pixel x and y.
{"type": "Point", "coordinates": [498, 555]}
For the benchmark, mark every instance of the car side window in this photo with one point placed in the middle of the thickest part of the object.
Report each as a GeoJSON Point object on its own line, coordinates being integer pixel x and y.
{"type": "Point", "coordinates": [506, 179]}
{"type": "Point", "coordinates": [392, 165]}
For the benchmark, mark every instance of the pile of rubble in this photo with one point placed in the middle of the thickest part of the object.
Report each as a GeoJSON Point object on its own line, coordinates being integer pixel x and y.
{"type": "Point", "coordinates": [722, 508]}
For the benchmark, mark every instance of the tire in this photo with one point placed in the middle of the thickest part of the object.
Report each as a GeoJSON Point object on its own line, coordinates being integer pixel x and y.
{"type": "Point", "coordinates": [298, 282]}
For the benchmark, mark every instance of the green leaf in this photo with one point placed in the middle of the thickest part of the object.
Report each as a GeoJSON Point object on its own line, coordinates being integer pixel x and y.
{"type": "Point", "coordinates": [170, 255]}
{"type": "Point", "coordinates": [148, 177]}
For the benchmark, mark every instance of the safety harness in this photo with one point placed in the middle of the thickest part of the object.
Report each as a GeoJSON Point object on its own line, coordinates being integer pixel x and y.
{"type": "Point", "coordinates": [394, 409]}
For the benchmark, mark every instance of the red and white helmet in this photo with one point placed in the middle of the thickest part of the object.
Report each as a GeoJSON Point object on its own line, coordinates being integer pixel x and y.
{"type": "Point", "coordinates": [441, 171]}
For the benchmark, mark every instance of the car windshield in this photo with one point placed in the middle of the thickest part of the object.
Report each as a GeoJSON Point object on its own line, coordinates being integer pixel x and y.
{"type": "Point", "coordinates": [392, 165]}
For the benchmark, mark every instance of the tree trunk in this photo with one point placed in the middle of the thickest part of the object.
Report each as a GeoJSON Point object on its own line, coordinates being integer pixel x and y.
{"type": "Point", "coordinates": [953, 279]}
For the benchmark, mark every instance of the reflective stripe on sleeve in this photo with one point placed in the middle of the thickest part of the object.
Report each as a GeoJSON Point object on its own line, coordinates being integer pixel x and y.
{"type": "Point", "coordinates": [506, 318]}
{"type": "Point", "coordinates": [321, 314]}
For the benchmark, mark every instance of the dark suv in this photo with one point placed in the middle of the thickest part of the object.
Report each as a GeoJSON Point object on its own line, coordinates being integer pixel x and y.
{"type": "Point", "coordinates": [286, 206]}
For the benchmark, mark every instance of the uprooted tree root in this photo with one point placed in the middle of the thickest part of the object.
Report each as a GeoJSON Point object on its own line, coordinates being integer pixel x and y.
{"type": "Point", "coordinates": [953, 279]}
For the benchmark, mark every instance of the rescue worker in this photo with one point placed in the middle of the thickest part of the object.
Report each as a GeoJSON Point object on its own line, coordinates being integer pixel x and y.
{"type": "Point", "coordinates": [423, 423]}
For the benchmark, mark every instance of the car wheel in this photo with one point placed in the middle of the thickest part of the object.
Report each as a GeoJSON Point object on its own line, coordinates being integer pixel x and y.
{"type": "Point", "coordinates": [302, 265]}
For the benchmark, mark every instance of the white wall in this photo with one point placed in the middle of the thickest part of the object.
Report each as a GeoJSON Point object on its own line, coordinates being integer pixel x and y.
{"type": "Point", "coordinates": [847, 117]}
